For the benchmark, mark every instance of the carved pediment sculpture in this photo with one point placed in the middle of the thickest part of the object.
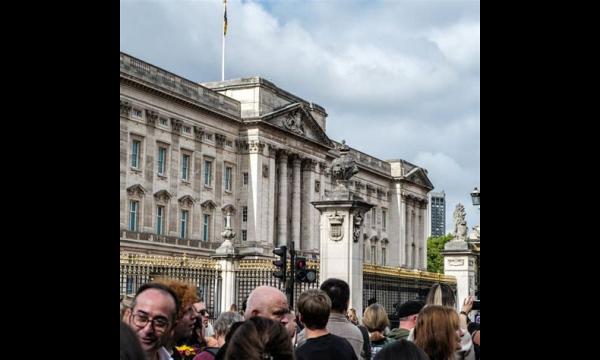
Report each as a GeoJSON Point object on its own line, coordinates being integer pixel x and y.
{"type": "Point", "coordinates": [186, 201]}
{"type": "Point", "coordinates": [136, 190]}
{"type": "Point", "coordinates": [297, 119]}
{"type": "Point", "coordinates": [162, 196]}
{"type": "Point", "coordinates": [293, 121]}
{"type": "Point", "coordinates": [208, 205]}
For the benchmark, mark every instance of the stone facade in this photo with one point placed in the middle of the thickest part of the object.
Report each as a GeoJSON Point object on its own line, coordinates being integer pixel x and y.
{"type": "Point", "coordinates": [192, 153]}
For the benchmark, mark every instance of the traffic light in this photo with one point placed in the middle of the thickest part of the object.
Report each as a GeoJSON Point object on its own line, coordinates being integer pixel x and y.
{"type": "Point", "coordinates": [302, 273]}
{"type": "Point", "coordinates": [281, 264]}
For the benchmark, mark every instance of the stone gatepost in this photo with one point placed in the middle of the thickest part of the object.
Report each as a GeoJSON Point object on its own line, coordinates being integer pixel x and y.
{"type": "Point", "coordinates": [228, 260]}
{"type": "Point", "coordinates": [459, 259]}
{"type": "Point", "coordinates": [342, 213]}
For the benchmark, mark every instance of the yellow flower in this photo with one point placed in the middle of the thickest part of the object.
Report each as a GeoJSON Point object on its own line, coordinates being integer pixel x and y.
{"type": "Point", "coordinates": [186, 352]}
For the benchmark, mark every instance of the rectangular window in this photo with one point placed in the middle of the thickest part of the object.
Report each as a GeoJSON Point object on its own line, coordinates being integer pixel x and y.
{"type": "Point", "coordinates": [207, 172]}
{"type": "Point", "coordinates": [383, 219]}
{"type": "Point", "coordinates": [137, 113]}
{"type": "Point", "coordinates": [160, 219]}
{"type": "Point", "coordinates": [228, 143]}
{"type": "Point", "coordinates": [162, 160]}
{"type": "Point", "coordinates": [136, 145]}
{"type": "Point", "coordinates": [185, 167]}
{"type": "Point", "coordinates": [208, 136]}
{"type": "Point", "coordinates": [206, 227]}
{"type": "Point", "coordinates": [373, 255]}
{"type": "Point", "coordinates": [184, 224]}
{"type": "Point", "coordinates": [383, 256]}
{"type": "Point", "coordinates": [164, 121]}
{"type": "Point", "coordinates": [228, 178]}
{"type": "Point", "coordinates": [187, 130]}
{"type": "Point", "coordinates": [245, 178]}
{"type": "Point", "coordinates": [244, 213]}
{"type": "Point", "coordinates": [133, 215]}
{"type": "Point", "coordinates": [244, 235]}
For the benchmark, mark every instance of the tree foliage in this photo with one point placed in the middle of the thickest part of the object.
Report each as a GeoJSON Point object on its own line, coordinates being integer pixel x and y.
{"type": "Point", "coordinates": [435, 245]}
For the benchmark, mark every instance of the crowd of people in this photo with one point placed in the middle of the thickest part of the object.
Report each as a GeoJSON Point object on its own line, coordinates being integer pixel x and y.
{"type": "Point", "coordinates": [166, 320]}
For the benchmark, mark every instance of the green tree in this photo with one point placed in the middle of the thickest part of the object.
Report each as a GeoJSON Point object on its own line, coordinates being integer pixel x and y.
{"type": "Point", "coordinates": [435, 245]}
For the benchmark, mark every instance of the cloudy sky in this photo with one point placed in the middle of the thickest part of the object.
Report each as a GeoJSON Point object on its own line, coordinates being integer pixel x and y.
{"type": "Point", "coordinates": [399, 79]}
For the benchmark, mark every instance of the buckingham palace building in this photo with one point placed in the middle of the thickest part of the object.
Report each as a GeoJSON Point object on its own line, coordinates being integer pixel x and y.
{"type": "Point", "coordinates": [193, 153]}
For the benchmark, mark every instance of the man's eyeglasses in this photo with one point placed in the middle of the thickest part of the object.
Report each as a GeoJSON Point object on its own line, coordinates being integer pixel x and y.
{"type": "Point", "coordinates": [159, 324]}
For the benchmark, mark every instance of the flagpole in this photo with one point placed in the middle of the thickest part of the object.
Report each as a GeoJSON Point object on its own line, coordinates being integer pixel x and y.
{"type": "Point", "coordinates": [223, 52]}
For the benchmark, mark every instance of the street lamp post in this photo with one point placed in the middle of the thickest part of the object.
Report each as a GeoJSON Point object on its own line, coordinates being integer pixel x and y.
{"type": "Point", "coordinates": [475, 196]}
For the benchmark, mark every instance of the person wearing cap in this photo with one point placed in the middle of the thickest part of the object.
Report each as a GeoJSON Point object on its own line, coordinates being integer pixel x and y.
{"type": "Point", "coordinates": [407, 314]}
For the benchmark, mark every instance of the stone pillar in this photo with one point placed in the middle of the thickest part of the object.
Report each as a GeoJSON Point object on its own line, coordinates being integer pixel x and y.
{"type": "Point", "coordinates": [228, 266]}
{"type": "Point", "coordinates": [419, 240]}
{"type": "Point", "coordinates": [296, 217]}
{"type": "Point", "coordinates": [308, 211]}
{"type": "Point", "coordinates": [401, 226]}
{"type": "Point", "coordinates": [271, 209]}
{"type": "Point", "coordinates": [427, 231]}
{"type": "Point", "coordinates": [282, 212]}
{"type": "Point", "coordinates": [340, 248]}
{"type": "Point", "coordinates": [459, 261]}
{"type": "Point", "coordinates": [409, 234]}
{"type": "Point", "coordinates": [317, 230]}
{"type": "Point", "coordinates": [255, 149]}
{"type": "Point", "coordinates": [227, 258]}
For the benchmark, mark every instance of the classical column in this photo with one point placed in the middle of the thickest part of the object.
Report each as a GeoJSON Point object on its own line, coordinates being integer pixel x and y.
{"type": "Point", "coordinates": [255, 149]}
{"type": "Point", "coordinates": [271, 202]}
{"type": "Point", "coordinates": [419, 240]}
{"type": "Point", "coordinates": [308, 211]}
{"type": "Point", "coordinates": [296, 218]}
{"type": "Point", "coordinates": [317, 230]}
{"type": "Point", "coordinates": [409, 235]}
{"type": "Point", "coordinates": [426, 231]}
{"type": "Point", "coordinates": [282, 212]}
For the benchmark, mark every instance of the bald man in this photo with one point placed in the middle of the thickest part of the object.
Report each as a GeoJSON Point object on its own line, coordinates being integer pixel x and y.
{"type": "Point", "coordinates": [269, 302]}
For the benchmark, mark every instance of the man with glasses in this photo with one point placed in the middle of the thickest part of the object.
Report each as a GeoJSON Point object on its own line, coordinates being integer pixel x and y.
{"type": "Point", "coordinates": [200, 308]}
{"type": "Point", "coordinates": [152, 317]}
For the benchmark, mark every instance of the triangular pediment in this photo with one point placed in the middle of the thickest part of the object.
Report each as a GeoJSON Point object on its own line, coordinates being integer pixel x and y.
{"type": "Point", "coordinates": [296, 119]}
{"type": "Point", "coordinates": [136, 190]}
{"type": "Point", "coordinates": [186, 201]}
{"type": "Point", "coordinates": [162, 195]}
{"type": "Point", "coordinates": [419, 177]}
{"type": "Point", "coordinates": [208, 205]}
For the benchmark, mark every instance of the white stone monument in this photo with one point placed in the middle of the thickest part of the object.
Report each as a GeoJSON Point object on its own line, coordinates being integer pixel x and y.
{"type": "Point", "coordinates": [459, 259]}
{"type": "Point", "coordinates": [228, 259]}
{"type": "Point", "coordinates": [342, 213]}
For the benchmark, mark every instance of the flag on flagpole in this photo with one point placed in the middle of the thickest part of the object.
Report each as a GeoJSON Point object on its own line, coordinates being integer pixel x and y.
{"type": "Point", "coordinates": [225, 18]}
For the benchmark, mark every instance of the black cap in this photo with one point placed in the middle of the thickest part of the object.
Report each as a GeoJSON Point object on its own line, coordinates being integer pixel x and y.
{"type": "Point", "coordinates": [411, 307]}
